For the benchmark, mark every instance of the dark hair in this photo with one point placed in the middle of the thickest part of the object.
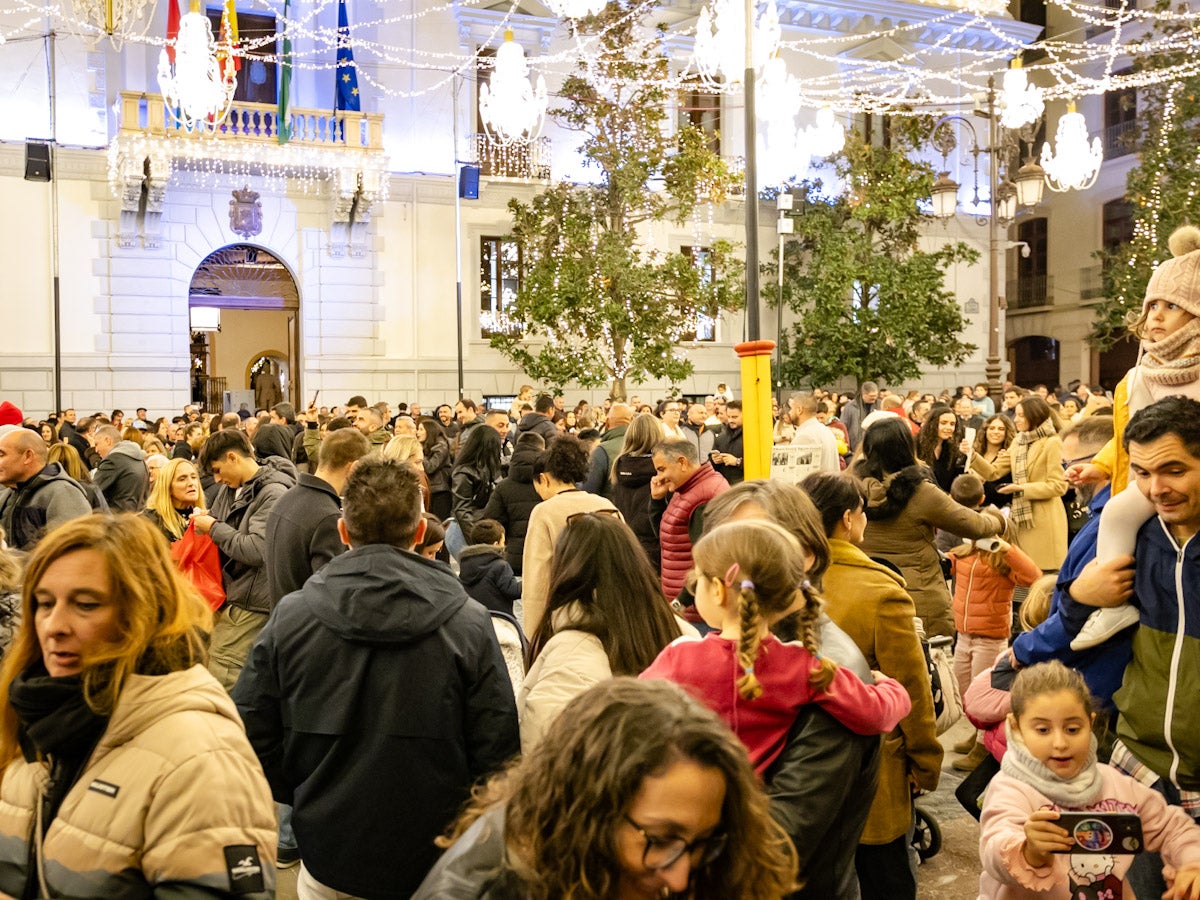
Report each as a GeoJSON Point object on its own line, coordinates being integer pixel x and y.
{"type": "Point", "coordinates": [543, 404]}
{"type": "Point", "coordinates": [1091, 431]}
{"type": "Point", "coordinates": [834, 495]}
{"type": "Point", "coordinates": [927, 437]}
{"type": "Point", "coordinates": [357, 400]}
{"type": "Point", "coordinates": [481, 450]}
{"type": "Point", "coordinates": [589, 434]}
{"type": "Point", "coordinates": [341, 448]}
{"type": "Point", "coordinates": [223, 442]}
{"type": "Point", "coordinates": [285, 411]}
{"type": "Point", "coordinates": [530, 439]}
{"type": "Point", "coordinates": [733, 404]}
{"type": "Point", "coordinates": [600, 568]}
{"type": "Point", "coordinates": [381, 503]}
{"type": "Point", "coordinates": [565, 460]}
{"type": "Point", "coordinates": [434, 432]}
{"type": "Point", "coordinates": [887, 448]}
{"type": "Point", "coordinates": [468, 403]}
{"type": "Point", "coordinates": [1035, 409]}
{"type": "Point", "coordinates": [967, 490]}
{"type": "Point", "coordinates": [1179, 416]}
{"type": "Point", "coordinates": [1010, 431]}
{"type": "Point", "coordinates": [435, 533]}
{"type": "Point", "coordinates": [1046, 678]}
{"type": "Point", "coordinates": [337, 423]}
{"type": "Point", "coordinates": [487, 531]}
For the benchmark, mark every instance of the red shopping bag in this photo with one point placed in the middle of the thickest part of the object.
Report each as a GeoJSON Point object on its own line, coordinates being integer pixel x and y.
{"type": "Point", "coordinates": [200, 562]}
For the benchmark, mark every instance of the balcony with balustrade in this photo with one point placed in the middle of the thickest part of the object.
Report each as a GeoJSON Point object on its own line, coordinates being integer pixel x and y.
{"type": "Point", "coordinates": [512, 161]}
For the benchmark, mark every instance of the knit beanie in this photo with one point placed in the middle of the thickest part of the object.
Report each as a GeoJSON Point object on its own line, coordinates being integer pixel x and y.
{"type": "Point", "coordinates": [1177, 280]}
{"type": "Point", "coordinates": [10, 415]}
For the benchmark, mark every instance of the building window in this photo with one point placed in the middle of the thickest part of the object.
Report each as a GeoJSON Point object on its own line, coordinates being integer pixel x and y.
{"type": "Point", "coordinates": [1117, 228]}
{"type": "Point", "coordinates": [705, 326]}
{"type": "Point", "coordinates": [499, 282]}
{"type": "Point", "coordinates": [1120, 121]}
{"type": "Point", "coordinates": [702, 109]}
{"type": "Point", "coordinates": [875, 128]}
{"type": "Point", "coordinates": [256, 79]}
{"type": "Point", "coordinates": [1032, 282]}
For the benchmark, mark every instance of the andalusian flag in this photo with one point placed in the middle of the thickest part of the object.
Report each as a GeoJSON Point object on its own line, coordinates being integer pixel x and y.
{"type": "Point", "coordinates": [347, 75]}
{"type": "Point", "coordinates": [227, 56]}
{"type": "Point", "coordinates": [283, 119]}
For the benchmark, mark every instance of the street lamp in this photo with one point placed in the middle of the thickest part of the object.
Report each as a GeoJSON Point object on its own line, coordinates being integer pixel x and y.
{"type": "Point", "coordinates": [1005, 196]}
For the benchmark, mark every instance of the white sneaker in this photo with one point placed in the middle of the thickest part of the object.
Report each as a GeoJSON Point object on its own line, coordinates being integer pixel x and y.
{"type": "Point", "coordinates": [1103, 624]}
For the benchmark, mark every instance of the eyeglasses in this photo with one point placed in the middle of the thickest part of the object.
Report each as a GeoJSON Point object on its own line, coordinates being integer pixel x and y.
{"type": "Point", "coordinates": [615, 513]}
{"type": "Point", "coordinates": [663, 852]}
{"type": "Point", "coordinates": [1067, 463]}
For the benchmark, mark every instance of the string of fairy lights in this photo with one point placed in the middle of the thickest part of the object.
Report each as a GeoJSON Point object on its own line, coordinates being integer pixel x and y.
{"type": "Point", "coordinates": [947, 59]}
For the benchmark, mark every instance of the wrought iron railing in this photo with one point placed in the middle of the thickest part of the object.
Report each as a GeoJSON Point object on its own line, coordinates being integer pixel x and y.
{"type": "Point", "coordinates": [1120, 139]}
{"type": "Point", "coordinates": [1030, 291]}
{"type": "Point", "coordinates": [527, 160]}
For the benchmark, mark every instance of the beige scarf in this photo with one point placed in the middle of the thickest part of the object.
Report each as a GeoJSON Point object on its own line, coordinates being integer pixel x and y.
{"type": "Point", "coordinates": [1175, 359]}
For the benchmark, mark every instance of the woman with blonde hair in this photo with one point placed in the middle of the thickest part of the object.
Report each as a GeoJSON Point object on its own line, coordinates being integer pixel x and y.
{"type": "Point", "coordinates": [67, 458]}
{"type": "Point", "coordinates": [176, 494]}
{"type": "Point", "coordinates": [126, 765]}
{"type": "Point", "coordinates": [637, 792]}
{"type": "Point", "coordinates": [407, 449]}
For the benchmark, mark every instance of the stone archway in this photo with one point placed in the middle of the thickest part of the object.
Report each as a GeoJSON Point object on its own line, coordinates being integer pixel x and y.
{"type": "Point", "coordinates": [255, 297]}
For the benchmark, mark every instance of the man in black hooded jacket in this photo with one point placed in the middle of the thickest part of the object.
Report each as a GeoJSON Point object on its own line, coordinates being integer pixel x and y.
{"type": "Point", "coordinates": [376, 696]}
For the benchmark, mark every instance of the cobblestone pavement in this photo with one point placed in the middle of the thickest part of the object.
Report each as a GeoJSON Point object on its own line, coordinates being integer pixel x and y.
{"type": "Point", "coordinates": [951, 875]}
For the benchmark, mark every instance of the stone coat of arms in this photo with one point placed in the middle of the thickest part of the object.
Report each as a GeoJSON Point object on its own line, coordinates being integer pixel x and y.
{"type": "Point", "coordinates": [245, 213]}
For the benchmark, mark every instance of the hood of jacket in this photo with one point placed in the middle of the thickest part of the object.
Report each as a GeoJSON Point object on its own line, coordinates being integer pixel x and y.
{"type": "Point", "coordinates": [635, 471]}
{"type": "Point", "coordinates": [886, 499]}
{"type": "Point", "coordinates": [278, 469]}
{"type": "Point", "coordinates": [476, 561]}
{"type": "Point", "coordinates": [146, 699]}
{"type": "Point", "coordinates": [128, 448]}
{"type": "Point", "coordinates": [381, 596]}
{"type": "Point", "coordinates": [520, 467]}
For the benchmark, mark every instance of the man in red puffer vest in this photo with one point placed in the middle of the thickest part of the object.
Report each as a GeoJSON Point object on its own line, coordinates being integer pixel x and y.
{"type": "Point", "coordinates": [679, 516]}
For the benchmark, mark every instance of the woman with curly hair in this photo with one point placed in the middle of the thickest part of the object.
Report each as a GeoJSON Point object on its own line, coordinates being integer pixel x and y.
{"type": "Point", "coordinates": [638, 792]}
{"type": "Point", "coordinates": [938, 446]}
{"type": "Point", "coordinates": [989, 457]}
{"type": "Point", "coordinates": [127, 771]}
{"type": "Point", "coordinates": [555, 474]}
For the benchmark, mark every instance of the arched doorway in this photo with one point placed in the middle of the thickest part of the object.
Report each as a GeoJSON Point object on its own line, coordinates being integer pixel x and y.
{"type": "Point", "coordinates": [245, 328]}
{"type": "Point", "coordinates": [1034, 360]}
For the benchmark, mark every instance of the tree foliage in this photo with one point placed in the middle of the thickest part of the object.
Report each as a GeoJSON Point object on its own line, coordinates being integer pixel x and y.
{"type": "Point", "coordinates": [1163, 188]}
{"type": "Point", "coordinates": [868, 303]}
{"type": "Point", "coordinates": [597, 303]}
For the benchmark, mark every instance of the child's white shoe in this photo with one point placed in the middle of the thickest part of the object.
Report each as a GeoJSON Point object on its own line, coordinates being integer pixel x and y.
{"type": "Point", "coordinates": [1103, 624]}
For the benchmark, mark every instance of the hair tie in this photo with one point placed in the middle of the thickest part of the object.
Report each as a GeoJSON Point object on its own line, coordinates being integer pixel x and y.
{"type": "Point", "coordinates": [806, 585]}
{"type": "Point", "coordinates": [747, 585]}
{"type": "Point", "coordinates": [731, 573]}
{"type": "Point", "coordinates": [749, 670]}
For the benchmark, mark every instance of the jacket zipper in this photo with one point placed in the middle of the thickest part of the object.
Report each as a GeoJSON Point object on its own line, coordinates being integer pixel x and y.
{"type": "Point", "coordinates": [1176, 653]}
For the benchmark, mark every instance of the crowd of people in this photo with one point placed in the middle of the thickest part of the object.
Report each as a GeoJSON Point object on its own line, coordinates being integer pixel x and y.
{"type": "Point", "coordinates": [539, 651]}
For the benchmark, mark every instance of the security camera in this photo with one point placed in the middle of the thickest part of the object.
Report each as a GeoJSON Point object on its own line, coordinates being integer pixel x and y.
{"type": "Point", "coordinates": [1025, 251]}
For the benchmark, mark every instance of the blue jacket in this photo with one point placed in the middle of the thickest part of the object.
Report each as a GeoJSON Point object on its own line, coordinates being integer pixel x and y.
{"type": "Point", "coordinates": [1102, 667]}
{"type": "Point", "coordinates": [1159, 720]}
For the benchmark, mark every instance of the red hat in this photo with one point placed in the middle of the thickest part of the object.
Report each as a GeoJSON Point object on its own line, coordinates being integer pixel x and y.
{"type": "Point", "coordinates": [10, 415]}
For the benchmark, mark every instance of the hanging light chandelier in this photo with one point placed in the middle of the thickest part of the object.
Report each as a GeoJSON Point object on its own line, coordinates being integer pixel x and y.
{"type": "Point", "coordinates": [783, 154]}
{"type": "Point", "coordinates": [1073, 165]}
{"type": "Point", "coordinates": [1021, 103]}
{"type": "Point", "coordinates": [113, 17]}
{"type": "Point", "coordinates": [511, 107]}
{"type": "Point", "coordinates": [720, 50]}
{"type": "Point", "coordinates": [576, 9]}
{"type": "Point", "coordinates": [827, 135]}
{"type": "Point", "coordinates": [194, 91]}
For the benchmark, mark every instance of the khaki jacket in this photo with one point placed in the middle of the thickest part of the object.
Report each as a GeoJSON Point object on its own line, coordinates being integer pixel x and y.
{"type": "Point", "coordinates": [172, 796]}
{"type": "Point", "coordinates": [868, 601]}
{"type": "Point", "coordinates": [1045, 483]}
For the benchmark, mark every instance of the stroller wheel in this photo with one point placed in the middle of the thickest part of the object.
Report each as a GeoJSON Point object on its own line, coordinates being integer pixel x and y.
{"type": "Point", "coordinates": [927, 834]}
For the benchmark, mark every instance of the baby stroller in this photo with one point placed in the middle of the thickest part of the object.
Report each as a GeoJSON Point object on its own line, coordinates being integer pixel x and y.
{"type": "Point", "coordinates": [947, 706]}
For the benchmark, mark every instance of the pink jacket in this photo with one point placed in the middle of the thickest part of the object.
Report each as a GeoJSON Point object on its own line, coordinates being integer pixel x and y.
{"type": "Point", "coordinates": [987, 707]}
{"type": "Point", "coordinates": [1007, 876]}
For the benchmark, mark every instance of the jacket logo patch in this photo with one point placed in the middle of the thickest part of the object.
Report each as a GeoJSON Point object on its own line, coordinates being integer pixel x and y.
{"type": "Point", "coordinates": [104, 787]}
{"type": "Point", "coordinates": [244, 868]}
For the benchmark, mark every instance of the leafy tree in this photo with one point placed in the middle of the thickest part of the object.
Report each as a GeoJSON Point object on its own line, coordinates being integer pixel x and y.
{"type": "Point", "coordinates": [867, 301]}
{"type": "Point", "coordinates": [1163, 188]}
{"type": "Point", "coordinates": [604, 305]}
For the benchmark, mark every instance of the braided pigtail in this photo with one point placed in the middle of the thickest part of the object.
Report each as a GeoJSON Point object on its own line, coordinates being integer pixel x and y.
{"type": "Point", "coordinates": [751, 636]}
{"type": "Point", "coordinates": [810, 616]}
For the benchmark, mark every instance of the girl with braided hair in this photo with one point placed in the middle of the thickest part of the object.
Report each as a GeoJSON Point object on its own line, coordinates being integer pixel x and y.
{"type": "Point", "coordinates": [748, 575]}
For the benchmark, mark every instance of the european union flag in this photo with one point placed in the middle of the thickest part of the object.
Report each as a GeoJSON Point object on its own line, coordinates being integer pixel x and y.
{"type": "Point", "coordinates": [348, 99]}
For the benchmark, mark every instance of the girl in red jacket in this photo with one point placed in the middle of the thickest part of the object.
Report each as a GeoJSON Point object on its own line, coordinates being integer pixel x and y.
{"type": "Point", "coordinates": [748, 575]}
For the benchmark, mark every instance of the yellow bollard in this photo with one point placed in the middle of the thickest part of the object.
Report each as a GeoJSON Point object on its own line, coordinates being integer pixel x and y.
{"type": "Point", "coordinates": [758, 434]}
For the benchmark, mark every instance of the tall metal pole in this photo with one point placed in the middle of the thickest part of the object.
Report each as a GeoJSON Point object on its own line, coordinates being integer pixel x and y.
{"type": "Point", "coordinates": [992, 367]}
{"type": "Point", "coordinates": [753, 328]}
{"type": "Point", "coordinates": [456, 84]}
{"type": "Point", "coordinates": [54, 234]}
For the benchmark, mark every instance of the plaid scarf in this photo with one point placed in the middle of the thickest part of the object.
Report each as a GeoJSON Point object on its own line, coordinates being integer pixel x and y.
{"type": "Point", "coordinates": [1021, 511]}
